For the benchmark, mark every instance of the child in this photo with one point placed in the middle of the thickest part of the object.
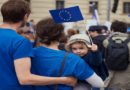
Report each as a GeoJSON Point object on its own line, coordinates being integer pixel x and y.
{"type": "Point", "coordinates": [80, 45]}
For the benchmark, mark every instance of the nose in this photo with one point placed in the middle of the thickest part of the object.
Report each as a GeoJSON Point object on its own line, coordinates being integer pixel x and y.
{"type": "Point", "coordinates": [78, 51]}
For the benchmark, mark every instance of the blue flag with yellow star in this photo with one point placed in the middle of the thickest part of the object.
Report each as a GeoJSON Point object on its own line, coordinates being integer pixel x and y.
{"type": "Point", "coordinates": [71, 14]}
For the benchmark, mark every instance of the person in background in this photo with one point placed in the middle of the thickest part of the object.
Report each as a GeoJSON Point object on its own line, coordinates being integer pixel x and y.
{"type": "Point", "coordinates": [48, 58]}
{"type": "Point", "coordinates": [71, 32]}
{"type": "Point", "coordinates": [15, 51]}
{"type": "Point", "coordinates": [27, 33]}
{"type": "Point", "coordinates": [80, 45]}
{"type": "Point", "coordinates": [32, 24]}
{"type": "Point", "coordinates": [63, 40]}
{"type": "Point", "coordinates": [104, 30]}
{"type": "Point", "coordinates": [98, 38]}
{"type": "Point", "coordinates": [119, 80]}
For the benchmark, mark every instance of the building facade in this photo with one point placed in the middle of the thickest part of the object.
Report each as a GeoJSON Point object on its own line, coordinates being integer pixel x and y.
{"type": "Point", "coordinates": [40, 9]}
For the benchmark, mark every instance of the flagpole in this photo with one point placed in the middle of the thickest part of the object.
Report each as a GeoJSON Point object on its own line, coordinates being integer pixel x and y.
{"type": "Point", "coordinates": [88, 32]}
{"type": "Point", "coordinates": [97, 16]}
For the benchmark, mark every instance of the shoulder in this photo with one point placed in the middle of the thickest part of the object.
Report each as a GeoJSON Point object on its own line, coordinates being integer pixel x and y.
{"type": "Point", "coordinates": [73, 56]}
{"type": "Point", "coordinates": [129, 45]}
{"type": "Point", "coordinates": [16, 40]}
{"type": "Point", "coordinates": [115, 36]}
{"type": "Point", "coordinates": [19, 37]}
{"type": "Point", "coordinates": [78, 61]}
{"type": "Point", "coordinates": [19, 40]}
{"type": "Point", "coordinates": [105, 43]}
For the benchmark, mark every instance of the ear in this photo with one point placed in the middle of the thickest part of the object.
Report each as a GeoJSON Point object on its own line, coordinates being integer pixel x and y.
{"type": "Point", "coordinates": [26, 17]}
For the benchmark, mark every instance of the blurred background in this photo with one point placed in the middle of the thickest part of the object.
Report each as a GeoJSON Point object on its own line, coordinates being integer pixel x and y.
{"type": "Point", "coordinates": [106, 11]}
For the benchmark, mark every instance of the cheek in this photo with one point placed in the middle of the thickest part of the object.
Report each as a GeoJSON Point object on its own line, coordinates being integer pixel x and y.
{"type": "Point", "coordinates": [86, 51]}
{"type": "Point", "coordinates": [74, 51]}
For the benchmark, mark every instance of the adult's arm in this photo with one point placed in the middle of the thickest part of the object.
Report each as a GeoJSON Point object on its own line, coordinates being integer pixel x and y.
{"type": "Point", "coordinates": [25, 77]}
{"type": "Point", "coordinates": [95, 81]}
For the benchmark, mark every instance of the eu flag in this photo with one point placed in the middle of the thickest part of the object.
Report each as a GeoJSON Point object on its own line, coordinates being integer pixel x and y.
{"type": "Point", "coordinates": [70, 14]}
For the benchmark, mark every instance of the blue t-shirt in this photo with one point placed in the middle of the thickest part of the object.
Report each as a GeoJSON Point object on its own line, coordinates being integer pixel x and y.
{"type": "Point", "coordinates": [12, 47]}
{"type": "Point", "coordinates": [47, 62]}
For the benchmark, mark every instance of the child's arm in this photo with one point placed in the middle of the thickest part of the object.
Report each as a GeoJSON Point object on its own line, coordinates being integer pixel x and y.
{"type": "Point", "coordinates": [95, 81]}
{"type": "Point", "coordinates": [82, 71]}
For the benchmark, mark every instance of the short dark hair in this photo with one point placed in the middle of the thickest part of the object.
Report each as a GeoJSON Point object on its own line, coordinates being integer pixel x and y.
{"type": "Point", "coordinates": [96, 28]}
{"type": "Point", "coordinates": [47, 30]}
{"type": "Point", "coordinates": [119, 26]}
{"type": "Point", "coordinates": [15, 10]}
{"type": "Point", "coordinates": [104, 27]}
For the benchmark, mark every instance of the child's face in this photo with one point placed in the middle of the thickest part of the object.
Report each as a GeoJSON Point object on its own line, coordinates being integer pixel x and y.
{"type": "Point", "coordinates": [79, 48]}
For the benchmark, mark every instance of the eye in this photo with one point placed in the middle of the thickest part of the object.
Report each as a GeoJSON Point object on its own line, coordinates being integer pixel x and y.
{"type": "Point", "coordinates": [74, 48]}
{"type": "Point", "coordinates": [81, 48]}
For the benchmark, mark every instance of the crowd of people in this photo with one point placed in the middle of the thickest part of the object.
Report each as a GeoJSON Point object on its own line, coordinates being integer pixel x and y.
{"type": "Point", "coordinates": [42, 57]}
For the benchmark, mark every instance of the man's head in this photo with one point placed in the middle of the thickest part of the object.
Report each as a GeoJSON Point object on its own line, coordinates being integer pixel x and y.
{"type": "Point", "coordinates": [95, 30]}
{"type": "Point", "coordinates": [14, 11]}
{"type": "Point", "coordinates": [119, 26]}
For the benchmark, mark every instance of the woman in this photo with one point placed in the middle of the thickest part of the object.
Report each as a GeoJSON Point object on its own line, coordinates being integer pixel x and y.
{"type": "Point", "coordinates": [47, 60]}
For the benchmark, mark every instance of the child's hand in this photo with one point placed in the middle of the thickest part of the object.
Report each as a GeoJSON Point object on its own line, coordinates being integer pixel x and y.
{"type": "Point", "coordinates": [94, 47]}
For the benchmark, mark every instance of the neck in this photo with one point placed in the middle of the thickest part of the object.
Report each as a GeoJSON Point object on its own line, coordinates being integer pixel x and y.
{"type": "Point", "coordinates": [13, 26]}
{"type": "Point", "coordinates": [53, 45]}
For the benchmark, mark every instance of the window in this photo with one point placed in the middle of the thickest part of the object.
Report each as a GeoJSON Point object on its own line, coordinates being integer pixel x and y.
{"type": "Point", "coordinates": [126, 7]}
{"type": "Point", "coordinates": [92, 6]}
{"type": "Point", "coordinates": [59, 4]}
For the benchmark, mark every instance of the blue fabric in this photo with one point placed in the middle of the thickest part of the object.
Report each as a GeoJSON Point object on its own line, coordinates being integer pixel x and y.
{"type": "Point", "coordinates": [47, 62]}
{"type": "Point", "coordinates": [94, 59]}
{"type": "Point", "coordinates": [128, 29]}
{"type": "Point", "coordinates": [12, 46]}
{"type": "Point", "coordinates": [98, 40]}
{"type": "Point", "coordinates": [95, 88]}
{"type": "Point", "coordinates": [71, 14]}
